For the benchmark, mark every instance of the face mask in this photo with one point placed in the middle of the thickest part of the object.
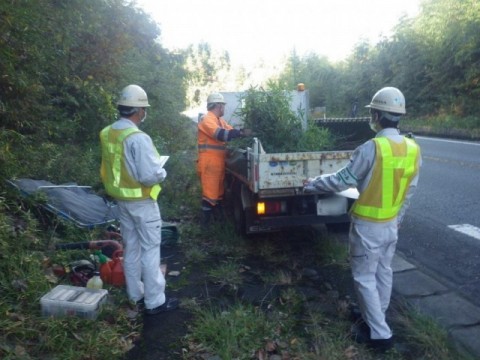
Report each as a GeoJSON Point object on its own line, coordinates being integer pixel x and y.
{"type": "Point", "coordinates": [372, 125]}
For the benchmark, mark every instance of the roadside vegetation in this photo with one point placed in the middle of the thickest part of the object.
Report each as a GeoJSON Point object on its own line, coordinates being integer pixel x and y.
{"type": "Point", "coordinates": [287, 296]}
{"type": "Point", "coordinates": [282, 295]}
{"type": "Point", "coordinates": [467, 128]}
{"type": "Point", "coordinates": [61, 69]}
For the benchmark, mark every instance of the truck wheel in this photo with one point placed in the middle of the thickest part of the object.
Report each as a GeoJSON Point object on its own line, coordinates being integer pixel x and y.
{"type": "Point", "coordinates": [338, 227]}
{"type": "Point", "coordinates": [228, 196]}
{"type": "Point", "coordinates": [239, 216]}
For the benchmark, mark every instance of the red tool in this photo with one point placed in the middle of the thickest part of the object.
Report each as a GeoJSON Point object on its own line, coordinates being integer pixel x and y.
{"type": "Point", "coordinates": [107, 247]}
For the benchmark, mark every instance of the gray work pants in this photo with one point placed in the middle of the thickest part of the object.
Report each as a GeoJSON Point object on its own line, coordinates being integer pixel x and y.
{"type": "Point", "coordinates": [372, 247]}
{"type": "Point", "coordinates": [141, 226]}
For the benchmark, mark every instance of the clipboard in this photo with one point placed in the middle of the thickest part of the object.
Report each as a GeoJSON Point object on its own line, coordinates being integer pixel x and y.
{"type": "Point", "coordinates": [351, 193]}
{"type": "Point", "coordinates": [163, 160]}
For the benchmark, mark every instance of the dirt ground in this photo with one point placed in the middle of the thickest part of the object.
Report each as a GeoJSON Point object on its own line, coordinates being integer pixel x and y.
{"type": "Point", "coordinates": [325, 285]}
{"type": "Point", "coordinates": [323, 282]}
{"type": "Point", "coordinates": [162, 334]}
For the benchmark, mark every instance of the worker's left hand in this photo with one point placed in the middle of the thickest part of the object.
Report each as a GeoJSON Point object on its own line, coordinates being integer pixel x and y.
{"type": "Point", "coordinates": [307, 181]}
{"type": "Point", "coordinates": [246, 132]}
{"type": "Point", "coordinates": [308, 185]}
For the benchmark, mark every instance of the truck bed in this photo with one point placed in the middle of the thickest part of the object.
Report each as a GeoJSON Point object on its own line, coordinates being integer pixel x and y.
{"type": "Point", "coordinates": [289, 170]}
{"type": "Point", "coordinates": [263, 172]}
{"type": "Point", "coordinates": [265, 191]}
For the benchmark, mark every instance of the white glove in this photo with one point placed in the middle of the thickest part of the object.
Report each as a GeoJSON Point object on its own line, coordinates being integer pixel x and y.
{"type": "Point", "coordinates": [309, 188]}
{"type": "Point", "coordinates": [308, 185]}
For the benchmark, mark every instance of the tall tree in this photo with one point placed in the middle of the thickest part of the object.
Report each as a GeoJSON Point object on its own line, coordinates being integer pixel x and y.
{"type": "Point", "coordinates": [62, 64]}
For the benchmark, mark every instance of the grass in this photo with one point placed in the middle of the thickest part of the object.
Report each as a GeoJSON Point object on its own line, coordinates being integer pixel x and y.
{"type": "Point", "coordinates": [288, 321]}
{"type": "Point", "coordinates": [328, 338]}
{"type": "Point", "coordinates": [25, 276]}
{"type": "Point", "coordinates": [424, 333]}
{"type": "Point", "coordinates": [295, 326]}
{"type": "Point", "coordinates": [238, 332]}
{"type": "Point", "coordinates": [226, 273]}
{"type": "Point", "coordinates": [330, 250]}
{"type": "Point", "coordinates": [445, 125]}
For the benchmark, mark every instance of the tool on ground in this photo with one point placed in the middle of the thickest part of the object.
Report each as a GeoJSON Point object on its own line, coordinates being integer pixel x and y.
{"type": "Point", "coordinates": [95, 282]}
{"type": "Point", "coordinates": [80, 272]}
{"type": "Point", "coordinates": [105, 267]}
{"type": "Point", "coordinates": [118, 276]}
{"type": "Point", "coordinates": [107, 247]}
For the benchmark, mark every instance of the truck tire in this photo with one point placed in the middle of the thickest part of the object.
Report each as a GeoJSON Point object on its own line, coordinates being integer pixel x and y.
{"type": "Point", "coordinates": [338, 227]}
{"type": "Point", "coordinates": [228, 202]}
{"type": "Point", "coordinates": [239, 216]}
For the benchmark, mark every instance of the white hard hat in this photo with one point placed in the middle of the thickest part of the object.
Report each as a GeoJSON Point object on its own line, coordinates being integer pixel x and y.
{"type": "Point", "coordinates": [133, 96]}
{"type": "Point", "coordinates": [388, 99]}
{"type": "Point", "coordinates": [215, 98]}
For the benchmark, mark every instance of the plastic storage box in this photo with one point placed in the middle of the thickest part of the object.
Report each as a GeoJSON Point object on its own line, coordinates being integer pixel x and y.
{"type": "Point", "coordinates": [66, 300]}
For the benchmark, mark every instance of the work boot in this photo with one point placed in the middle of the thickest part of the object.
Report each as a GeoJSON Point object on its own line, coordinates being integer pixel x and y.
{"type": "Point", "coordinates": [218, 213]}
{"type": "Point", "coordinates": [140, 304]}
{"type": "Point", "coordinates": [169, 305]}
{"type": "Point", "coordinates": [360, 332]}
{"type": "Point", "coordinates": [355, 313]}
{"type": "Point", "coordinates": [381, 345]}
{"type": "Point", "coordinates": [207, 210]}
{"type": "Point", "coordinates": [206, 218]}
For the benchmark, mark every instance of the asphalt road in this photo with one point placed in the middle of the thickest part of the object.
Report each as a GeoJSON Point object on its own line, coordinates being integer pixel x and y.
{"type": "Point", "coordinates": [447, 197]}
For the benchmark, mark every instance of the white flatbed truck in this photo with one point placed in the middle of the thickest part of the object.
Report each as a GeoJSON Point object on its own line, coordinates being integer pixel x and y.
{"type": "Point", "coordinates": [265, 191]}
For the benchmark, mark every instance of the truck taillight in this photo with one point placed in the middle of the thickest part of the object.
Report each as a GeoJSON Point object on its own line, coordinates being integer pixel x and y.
{"type": "Point", "coordinates": [271, 207]}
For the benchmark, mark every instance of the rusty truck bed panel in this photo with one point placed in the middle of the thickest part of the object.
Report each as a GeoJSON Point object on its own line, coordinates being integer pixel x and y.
{"type": "Point", "coordinates": [289, 170]}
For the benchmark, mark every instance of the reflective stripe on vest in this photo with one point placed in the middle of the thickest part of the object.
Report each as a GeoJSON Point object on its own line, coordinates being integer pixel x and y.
{"type": "Point", "coordinates": [395, 167]}
{"type": "Point", "coordinates": [208, 130]}
{"type": "Point", "coordinates": [211, 147]}
{"type": "Point", "coordinates": [117, 181]}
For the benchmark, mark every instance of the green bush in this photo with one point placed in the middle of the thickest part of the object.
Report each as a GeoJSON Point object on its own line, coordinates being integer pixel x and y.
{"type": "Point", "coordinates": [268, 114]}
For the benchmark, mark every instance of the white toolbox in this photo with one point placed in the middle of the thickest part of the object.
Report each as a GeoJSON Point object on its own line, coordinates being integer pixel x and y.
{"type": "Point", "coordinates": [65, 300]}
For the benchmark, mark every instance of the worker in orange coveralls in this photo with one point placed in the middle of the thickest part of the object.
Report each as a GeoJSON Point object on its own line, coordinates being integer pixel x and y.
{"type": "Point", "coordinates": [213, 133]}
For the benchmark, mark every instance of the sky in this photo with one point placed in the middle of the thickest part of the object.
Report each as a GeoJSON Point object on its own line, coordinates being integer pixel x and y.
{"type": "Point", "coordinates": [270, 30]}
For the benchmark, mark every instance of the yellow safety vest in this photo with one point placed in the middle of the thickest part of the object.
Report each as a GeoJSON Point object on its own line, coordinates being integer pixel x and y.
{"type": "Point", "coordinates": [115, 177]}
{"type": "Point", "coordinates": [396, 165]}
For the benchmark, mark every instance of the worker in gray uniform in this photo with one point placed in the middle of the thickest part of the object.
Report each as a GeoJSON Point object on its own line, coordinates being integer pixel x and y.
{"type": "Point", "coordinates": [131, 173]}
{"type": "Point", "coordinates": [385, 172]}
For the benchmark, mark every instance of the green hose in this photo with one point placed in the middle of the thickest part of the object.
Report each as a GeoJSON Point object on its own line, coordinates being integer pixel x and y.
{"type": "Point", "coordinates": [169, 234]}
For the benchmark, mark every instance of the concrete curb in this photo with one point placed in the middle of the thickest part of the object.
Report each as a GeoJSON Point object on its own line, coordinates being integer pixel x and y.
{"type": "Point", "coordinates": [447, 133]}
{"type": "Point", "coordinates": [436, 299]}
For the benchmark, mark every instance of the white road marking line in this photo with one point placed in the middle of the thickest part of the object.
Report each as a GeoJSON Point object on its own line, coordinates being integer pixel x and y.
{"type": "Point", "coordinates": [467, 229]}
{"type": "Point", "coordinates": [449, 141]}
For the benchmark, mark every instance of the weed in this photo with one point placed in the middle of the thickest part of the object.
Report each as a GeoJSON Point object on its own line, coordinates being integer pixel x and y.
{"type": "Point", "coordinates": [330, 251]}
{"type": "Point", "coordinates": [234, 333]}
{"type": "Point", "coordinates": [226, 274]}
{"type": "Point", "coordinates": [424, 334]}
{"type": "Point", "coordinates": [269, 250]}
{"type": "Point", "coordinates": [328, 338]}
{"type": "Point", "coordinates": [279, 277]}
{"type": "Point", "coordinates": [195, 255]}
{"type": "Point", "coordinates": [292, 299]}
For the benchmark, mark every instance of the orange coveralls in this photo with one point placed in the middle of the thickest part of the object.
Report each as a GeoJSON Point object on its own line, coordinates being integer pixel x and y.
{"type": "Point", "coordinates": [212, 136]}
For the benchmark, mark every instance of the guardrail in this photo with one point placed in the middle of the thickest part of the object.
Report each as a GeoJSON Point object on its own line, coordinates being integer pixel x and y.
{"type": "Point", "coordinates": [339, 120]}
